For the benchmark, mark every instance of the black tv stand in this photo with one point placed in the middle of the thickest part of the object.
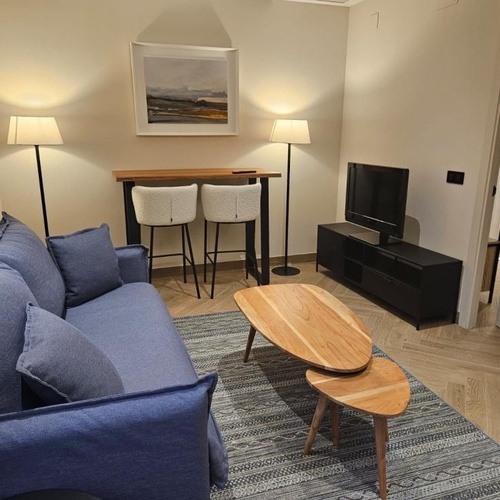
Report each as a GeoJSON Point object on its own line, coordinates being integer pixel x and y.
{"type": "Point", "coordinates": [377, 239]}
{"type": "Point", "coordinates": [420, 283]}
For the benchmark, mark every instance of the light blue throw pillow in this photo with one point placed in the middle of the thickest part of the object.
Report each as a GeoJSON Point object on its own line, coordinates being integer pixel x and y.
{"type": "Point", "coordinates": [60, 364]}
{"type": "Point", "coordinates": [88, 263]}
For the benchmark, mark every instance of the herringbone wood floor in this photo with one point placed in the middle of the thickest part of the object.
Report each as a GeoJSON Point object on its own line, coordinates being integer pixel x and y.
{"type": "Point", "coordinates": [462, 366]}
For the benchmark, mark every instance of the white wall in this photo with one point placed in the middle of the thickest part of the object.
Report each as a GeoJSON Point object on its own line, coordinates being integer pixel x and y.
{"type": "Point", "coordinates": [420, 88]}
{"type": "Point", "coordinates": [70, 59]}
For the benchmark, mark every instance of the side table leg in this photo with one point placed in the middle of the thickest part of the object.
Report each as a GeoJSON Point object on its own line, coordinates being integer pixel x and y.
{"type": "Point", "coordinates": [316, 422]}
{"type": "Point", "coordinates": [251, 336]}
{"type": "Point", "coordinates": [380, 425]}
{"type": "Point", "coordinates": [335, 412]}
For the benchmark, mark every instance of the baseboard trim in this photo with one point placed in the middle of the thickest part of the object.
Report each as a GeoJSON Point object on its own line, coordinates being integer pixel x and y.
{"type": "Point", "coordinates": [232, 265]}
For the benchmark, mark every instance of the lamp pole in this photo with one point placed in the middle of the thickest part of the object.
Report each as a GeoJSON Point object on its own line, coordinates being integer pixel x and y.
{"type": "Point", "coordinates": [42, 191]}
{"type": "Point", "coordinates": [287, 270]}
{"type": "Point", "coordinates": [35, 131]}
{"type": "Point", "coordinates": [289, 132]}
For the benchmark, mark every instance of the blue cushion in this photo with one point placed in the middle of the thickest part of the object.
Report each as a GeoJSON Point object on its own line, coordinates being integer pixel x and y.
{"type": "Point", "coordinates": [21, 249]}
{"type": "Point", "coordinates": [3, 226]}
{"type": "Point", "coordinates": [88, 262]}
{"type": "Point", "coordinates": [149, 445]}
{"type": "Point", "coordinates": [60, 364]}
{"type": "Point", "coordinates": [133, 262]}
{"type": "Point", "coordinates": [132, 326]}
{"type": "Point", "coordinates": [14, 296]}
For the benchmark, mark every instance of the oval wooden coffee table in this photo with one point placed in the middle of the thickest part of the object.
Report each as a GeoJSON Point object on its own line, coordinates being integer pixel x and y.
{"type": "Point", "coordinates": [308, 323]}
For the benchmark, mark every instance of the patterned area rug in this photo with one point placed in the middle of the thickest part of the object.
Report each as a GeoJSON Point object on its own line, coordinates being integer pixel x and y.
{"type": "Point", "coordinates": [265, 407]}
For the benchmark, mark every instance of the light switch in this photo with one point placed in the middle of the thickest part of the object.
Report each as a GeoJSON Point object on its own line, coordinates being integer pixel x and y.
{"type": "Point", "coordinates": [454, 177]}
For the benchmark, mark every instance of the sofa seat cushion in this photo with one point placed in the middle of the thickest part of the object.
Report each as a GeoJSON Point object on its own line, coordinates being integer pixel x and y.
{"type": "Point", "coordinates": [14, 297]}
{"type": "Point", "coordinates": [21, 249]}
{"type": "Point", "coordinates": [60, 364]}
{"type": "Point", "coordinates": [132, 326]}
{"type": "Point", "coordinates": [88, 263]}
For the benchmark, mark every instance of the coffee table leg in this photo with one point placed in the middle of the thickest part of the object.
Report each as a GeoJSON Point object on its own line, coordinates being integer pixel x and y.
{"type": "Point", "coordinates": [380, 425]}
{"type": "Point", "coordinates": [251, 336]}
{"type": "Point", "coordinates": [316, 422]}
{"type": "Point", "coordinates": [335, 412]}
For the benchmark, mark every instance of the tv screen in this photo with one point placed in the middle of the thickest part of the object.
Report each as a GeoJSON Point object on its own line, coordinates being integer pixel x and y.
{"type": "Point", "coordinates": [376, 198]}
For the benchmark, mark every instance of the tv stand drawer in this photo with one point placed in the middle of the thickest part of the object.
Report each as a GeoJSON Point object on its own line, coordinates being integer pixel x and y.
{"type": "Point", "coordinates": [395, 293]}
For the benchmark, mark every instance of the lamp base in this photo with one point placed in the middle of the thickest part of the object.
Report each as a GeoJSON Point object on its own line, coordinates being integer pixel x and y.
{"type": "Point", "coordinates": [286, 271]}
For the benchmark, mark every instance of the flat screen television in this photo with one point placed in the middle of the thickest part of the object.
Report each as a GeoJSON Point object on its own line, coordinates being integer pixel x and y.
{"type": "Point", "coordinates": [376, 199]}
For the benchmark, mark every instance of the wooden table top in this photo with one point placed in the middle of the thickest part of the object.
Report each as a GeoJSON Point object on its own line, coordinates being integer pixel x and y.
{"type": "Point", "coordinates": [309, 323]}
{"type": "Point", "coordinates": [192, 173]}
{"type": "Point", "coordinates": [381, 389]}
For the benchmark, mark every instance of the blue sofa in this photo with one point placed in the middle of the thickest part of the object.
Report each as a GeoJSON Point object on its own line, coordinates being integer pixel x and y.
{"type": "Point", "coordinates": [156, 438]}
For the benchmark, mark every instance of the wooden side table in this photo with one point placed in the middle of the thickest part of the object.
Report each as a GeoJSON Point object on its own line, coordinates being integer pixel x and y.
{"type": "Point", "coordinates": [381, 390]}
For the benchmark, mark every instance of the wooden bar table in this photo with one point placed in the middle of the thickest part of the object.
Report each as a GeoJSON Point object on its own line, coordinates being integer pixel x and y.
{"type": "Point", "coordinates": [130, 177]}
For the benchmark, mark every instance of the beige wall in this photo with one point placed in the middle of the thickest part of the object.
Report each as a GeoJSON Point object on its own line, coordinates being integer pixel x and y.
{"type": "Point", "coordinates": [420, 91]}
{"type": "Point", "coordinates": [70, 59]}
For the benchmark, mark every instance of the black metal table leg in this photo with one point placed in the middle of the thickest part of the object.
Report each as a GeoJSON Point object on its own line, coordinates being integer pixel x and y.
{"type": "Point", "coordinates": [264, 235]}
{"type": "Point", "coordinates": [264, 231]}
{"type": "Point", "coordinates": [132, 227]}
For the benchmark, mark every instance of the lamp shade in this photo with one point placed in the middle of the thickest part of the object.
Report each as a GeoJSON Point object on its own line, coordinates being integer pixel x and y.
{"type": "Point", "coordinates": [33, 130]}
{"type": "Point", "coordinates": [290, 132]}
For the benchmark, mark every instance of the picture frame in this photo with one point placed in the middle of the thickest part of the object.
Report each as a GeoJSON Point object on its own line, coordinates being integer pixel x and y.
{"type": "Point", "coordinates": [184, 90]}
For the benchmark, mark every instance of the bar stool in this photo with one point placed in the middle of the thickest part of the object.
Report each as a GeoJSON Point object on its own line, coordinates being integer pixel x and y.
{"type": "Point", "coordinates": [224, 204]}
{"type": "Point", "coordinates": [168, 207]}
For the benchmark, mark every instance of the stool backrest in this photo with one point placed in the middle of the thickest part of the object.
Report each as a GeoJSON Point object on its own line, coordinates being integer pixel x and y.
{"type": "Point", "coordinates": [165, 206]}
{"type": "Point", "coordinates": [222, 203]}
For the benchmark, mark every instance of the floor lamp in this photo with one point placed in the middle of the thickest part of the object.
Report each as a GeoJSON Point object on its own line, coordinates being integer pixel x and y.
{"type": "Point", "coordinates": [289, 132]}
{"type": "Point", "coordinates": [35, 131]}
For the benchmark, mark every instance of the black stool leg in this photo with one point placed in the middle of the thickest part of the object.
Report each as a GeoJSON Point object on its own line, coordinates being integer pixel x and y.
{"type": "Point", "coordinates": [247, 228]}
{"type": "Point", "coordinates": [205, 238]}
{"type": "Point", "coordinates": [183, 254]}
{"type": "Point", "coordinates": [214, 264]}
{"type": "Point", "coordinates": [151, 239]}
{"type": "Point", "coordinates": [251, 254]}
{"type": "Point", "coordinates": [193, 265]}
{"type": "Point", "coordinates": [253, 257]}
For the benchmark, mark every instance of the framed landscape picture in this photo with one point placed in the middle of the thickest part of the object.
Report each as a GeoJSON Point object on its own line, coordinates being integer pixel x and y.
{"type": "Point", "coordinates": [185, 90]}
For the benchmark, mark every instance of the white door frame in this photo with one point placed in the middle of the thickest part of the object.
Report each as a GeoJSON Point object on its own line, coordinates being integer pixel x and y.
{"type": "Point", "coordinates": [483, 209]}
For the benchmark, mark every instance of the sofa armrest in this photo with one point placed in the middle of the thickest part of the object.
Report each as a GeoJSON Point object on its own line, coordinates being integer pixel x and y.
{"type": "Point", "coordinates": [133, 262]}
{"type": "Point", "coordinates": [149, 445]}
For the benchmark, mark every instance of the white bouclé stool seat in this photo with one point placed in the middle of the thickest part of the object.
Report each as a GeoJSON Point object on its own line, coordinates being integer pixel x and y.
{"type": "Point", "coordinates": [168, 207]}
{"type": "Point", "coordinates": [223, 204]}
